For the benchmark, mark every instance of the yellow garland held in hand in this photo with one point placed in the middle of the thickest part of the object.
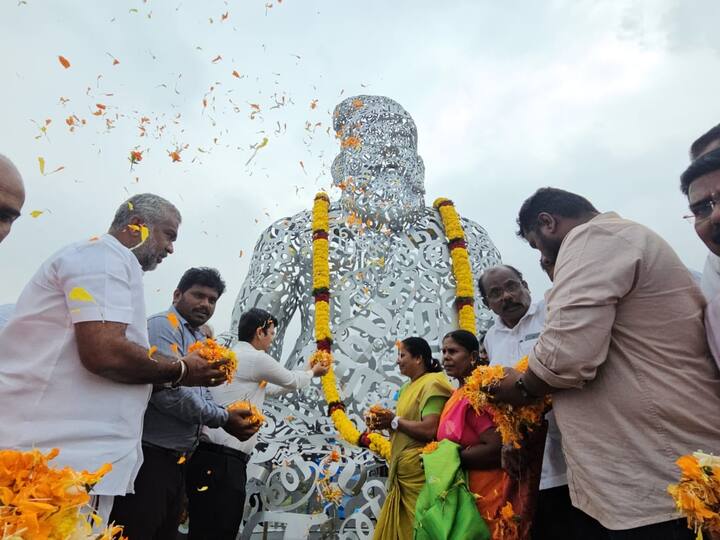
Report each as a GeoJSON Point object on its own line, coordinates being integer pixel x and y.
{"type": "Point", "coordinates": [510, 420]}
{"type": "Point", "coordinates": [465, 294]}
{"type": "Point", "coordinates": [323, 335]}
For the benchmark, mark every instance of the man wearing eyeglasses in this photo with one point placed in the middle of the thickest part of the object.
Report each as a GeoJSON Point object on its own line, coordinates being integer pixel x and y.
{"type": "Point", "coordinates": [701, 183]}
{"type": "Point", "coordinates": [710, 281]}
{"type": "Point", "coordinates": [518, 324]}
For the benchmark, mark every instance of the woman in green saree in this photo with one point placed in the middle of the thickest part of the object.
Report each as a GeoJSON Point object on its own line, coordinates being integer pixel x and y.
{"type": "Point", "coordinates": [415, 422]}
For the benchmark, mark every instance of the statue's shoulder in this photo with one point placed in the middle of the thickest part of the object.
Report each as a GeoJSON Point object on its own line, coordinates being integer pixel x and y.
{"type": "Point", "coordinates": [295, 226]}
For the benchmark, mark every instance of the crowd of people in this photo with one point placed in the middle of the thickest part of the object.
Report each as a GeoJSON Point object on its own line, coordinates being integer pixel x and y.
{"type": "Point", "coordinates": [625, 342]}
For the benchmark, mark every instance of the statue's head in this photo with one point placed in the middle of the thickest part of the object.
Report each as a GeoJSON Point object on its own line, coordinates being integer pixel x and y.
{"type": "Point", "coordinates": [378, 168]}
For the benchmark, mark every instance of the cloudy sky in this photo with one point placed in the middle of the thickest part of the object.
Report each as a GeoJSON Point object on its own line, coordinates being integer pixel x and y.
{"type": "Point", "coordinates": [602, 98]}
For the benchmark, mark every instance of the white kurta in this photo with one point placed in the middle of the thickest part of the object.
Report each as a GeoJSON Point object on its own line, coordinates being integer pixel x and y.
{"type": "Point", "coordinates": [254, 367]}
{"type": "Point", "coordinates": [506, 346]}
{"type": "Point", "coordinates": [48, 399]}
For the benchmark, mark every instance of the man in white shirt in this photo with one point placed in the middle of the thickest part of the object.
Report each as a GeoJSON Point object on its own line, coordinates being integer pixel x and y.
{"type": "Point", "coordinates": [75, 368]}
{"type": "Point", "coordinates": [518, 324]}
{"type": "Point", "coordinates": [217, 472]}
{"type": "Point", "coordinates": [12, 195]}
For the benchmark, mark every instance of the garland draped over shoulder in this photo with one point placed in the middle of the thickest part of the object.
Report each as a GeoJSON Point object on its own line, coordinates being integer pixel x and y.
{"type": "Point", "coordinates": [464, 303]}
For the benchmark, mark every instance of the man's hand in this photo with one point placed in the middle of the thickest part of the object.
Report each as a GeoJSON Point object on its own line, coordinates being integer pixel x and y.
{"type": "Point", "coordinates": [200, 372]}
{"type": "Point", "coordinates": [319, 369]}
{"type": "Point", "coordinates": [506, 391]}
{"type": "Point", "coordinates": [239, 426]}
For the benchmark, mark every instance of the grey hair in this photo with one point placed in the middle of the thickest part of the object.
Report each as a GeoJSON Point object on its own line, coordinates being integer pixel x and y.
{"type": "Point", "coordinates": [151, 208]}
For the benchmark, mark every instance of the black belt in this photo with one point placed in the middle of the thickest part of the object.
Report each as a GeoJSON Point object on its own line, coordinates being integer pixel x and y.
{"type": "Point", "coordinates": [224, 450]}
{"type": "Point", "coordinates": [169, 452]}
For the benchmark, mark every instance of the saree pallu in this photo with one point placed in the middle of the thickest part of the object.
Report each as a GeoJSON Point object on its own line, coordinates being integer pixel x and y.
{"type": "Point", "coordinates": [406, 476]}
{"type": "Point", "coordinates": [460, 423]}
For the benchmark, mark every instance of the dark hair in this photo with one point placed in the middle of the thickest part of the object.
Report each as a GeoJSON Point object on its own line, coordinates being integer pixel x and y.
{"type": "Point", "coordinates": [705, 140]}
{"type": "Point", "coordinates": [251, 320]}
{"type": "Point", "coordinates": [417, 346]}
{"type": "Point", "coordinates": [465, 339]}
{"type": "Point", "coordinates": [703, 165]}
{"type": "Point", "coordinates": [481, 287]}
{"type": "Point", "coordinates": [207, 277]}
{"type": "Point", "coordinates": [553, 201]}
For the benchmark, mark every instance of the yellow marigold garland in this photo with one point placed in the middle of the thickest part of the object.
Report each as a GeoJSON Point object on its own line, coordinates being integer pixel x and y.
{"type": "Point", "coordinates": [323, 335]}
{"type": "Point", "coordinates": [697, 494]}
{"type": "Point", "coordinates": [465, 294]}
{"type": "Point", "coordinates": [38, 501]}
{"type": "Point", "coordinates": [508, 419]}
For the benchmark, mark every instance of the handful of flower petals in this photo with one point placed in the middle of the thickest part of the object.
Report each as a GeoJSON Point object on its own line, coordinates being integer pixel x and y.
{"type": "Point", "coordinates": [511, 421]}
{"type": "Point", "coordinates": [38, 501]}
{"type": "Point", "coordinates": [212, 351]}
{"type": "Point", "coordinates": [256, 417]}
{"type": "Point", "coordinates": [697, 494]}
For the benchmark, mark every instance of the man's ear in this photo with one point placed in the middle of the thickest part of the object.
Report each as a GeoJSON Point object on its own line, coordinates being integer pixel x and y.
{"type": "Point", "coordinates": [547, 221]}
{"type": "Point", "coordinates": [176, 295]}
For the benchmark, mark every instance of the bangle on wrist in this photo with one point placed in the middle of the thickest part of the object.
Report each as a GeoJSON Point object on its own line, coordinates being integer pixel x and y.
{"type": "Point", "coordinates": [394, 423]}
{"type": "Point", "coordinates": [183, 372]}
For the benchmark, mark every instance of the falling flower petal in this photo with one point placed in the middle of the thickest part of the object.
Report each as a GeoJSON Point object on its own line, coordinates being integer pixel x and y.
{"type": "Point", "coordinates": [41, 162]}
{"type": "Point", "coordinates": [64, 61]}
{"type": "Point", "coordinates": [236, 74]}
{"type": "Point", "coordinates": [182, 459]}
{"type": "Point", "coordinates": [36, 213]}
{"type": "Point", "coordinates": [203, 488]}
{"type": "Point", "coordinates": [173, 320]}
{"type": "Point", "coordinates": [216, 59]}
{"type": "Point", "coordinates": [78, 294]}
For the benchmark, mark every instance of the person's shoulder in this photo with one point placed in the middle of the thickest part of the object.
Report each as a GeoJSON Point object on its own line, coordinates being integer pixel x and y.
{"type": "Point", "coordinates": [160, 317]}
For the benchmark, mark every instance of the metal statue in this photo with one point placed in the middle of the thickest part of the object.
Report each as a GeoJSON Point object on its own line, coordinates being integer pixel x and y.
{"type": "Point", "coordinates": [390, 278]}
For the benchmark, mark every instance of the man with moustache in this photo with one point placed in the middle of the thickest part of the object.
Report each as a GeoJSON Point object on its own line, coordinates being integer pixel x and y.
{"type": "Point", "coordinates": [175, 416]}
{"type": "Point", "coordinates": [518, 324]}
{"type": "Point", "coordinates": [710, 281]}
{"type": "Point", "coordinates": [75, 372]}
{"type": "Point", "coordinates": [701, 184]}
{"type": "Point", "coordinates": [624, 354]}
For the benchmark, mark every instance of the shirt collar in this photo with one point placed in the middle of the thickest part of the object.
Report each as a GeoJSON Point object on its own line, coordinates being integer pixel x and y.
{"type": "Point", "coordinates": [183, 321]}
{"type": "Point", "coordinates": [110, 239]}
{"type": "Point", "coordinates": [529, 314]}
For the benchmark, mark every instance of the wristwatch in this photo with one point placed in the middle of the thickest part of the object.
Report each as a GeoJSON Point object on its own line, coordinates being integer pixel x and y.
{"type": "Point", "coordinates": [394, 423]}
{"type": "Point", "coordinates": [524, 392]}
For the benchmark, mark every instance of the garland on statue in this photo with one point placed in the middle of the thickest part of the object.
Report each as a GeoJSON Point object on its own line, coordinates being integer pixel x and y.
{"type": "Point", "coordinates": [465, 294]}
{"type": "Point", "coordinates": [464, 303]}
{"type": "Point", "coordinates": [323, 335]}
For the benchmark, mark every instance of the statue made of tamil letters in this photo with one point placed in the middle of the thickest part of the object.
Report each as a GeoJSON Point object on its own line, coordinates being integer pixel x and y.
{"type": "Point", "coordinates": [390, 277]}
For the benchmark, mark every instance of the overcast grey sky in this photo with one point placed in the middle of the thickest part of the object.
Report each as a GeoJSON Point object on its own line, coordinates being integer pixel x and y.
{"type": "Point", "coordinates": [602, 98]}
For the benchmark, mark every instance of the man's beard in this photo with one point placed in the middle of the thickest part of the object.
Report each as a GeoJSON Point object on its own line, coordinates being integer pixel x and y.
{"type": "Point", "coordinates": [146, 256]}
{"type": "Point", "coordinates": [552, 247]}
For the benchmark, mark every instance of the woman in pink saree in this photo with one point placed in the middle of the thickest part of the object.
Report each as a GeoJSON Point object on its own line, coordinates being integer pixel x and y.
{"type": "Point", "coordinates": [481, 444]}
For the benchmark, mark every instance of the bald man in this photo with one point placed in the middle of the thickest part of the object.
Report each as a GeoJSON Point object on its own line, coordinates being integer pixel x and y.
{"type": "Point", "coordinates": [12, 195]}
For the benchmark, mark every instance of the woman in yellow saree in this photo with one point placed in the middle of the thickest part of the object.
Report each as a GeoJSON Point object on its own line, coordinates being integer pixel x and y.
{"type": "Point", "coordinates": [420, 402]}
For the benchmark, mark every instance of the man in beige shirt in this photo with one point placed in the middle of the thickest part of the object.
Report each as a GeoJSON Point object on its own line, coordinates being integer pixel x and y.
{"type": "Point", "coordinates": [624, 353]}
